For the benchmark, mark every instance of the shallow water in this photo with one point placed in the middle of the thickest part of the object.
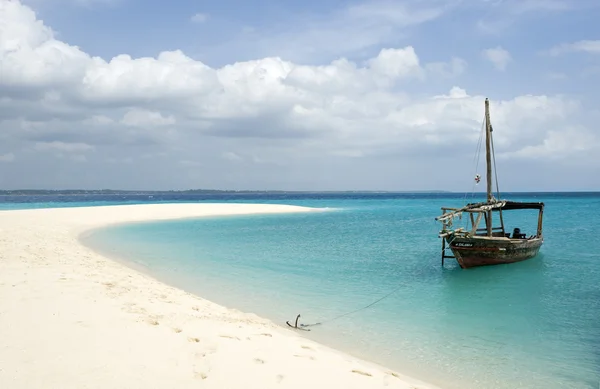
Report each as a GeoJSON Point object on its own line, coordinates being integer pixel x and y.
{"type": "Point", "coordinates": [534, 324]}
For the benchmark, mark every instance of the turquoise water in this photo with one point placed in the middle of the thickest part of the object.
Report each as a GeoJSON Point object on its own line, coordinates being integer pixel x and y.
{"type": "Point", "coordinates": [534, 324]}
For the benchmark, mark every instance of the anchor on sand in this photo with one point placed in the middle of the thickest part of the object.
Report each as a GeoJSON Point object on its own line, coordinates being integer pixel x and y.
{"type": "Point", "coordinates": [296, 324]}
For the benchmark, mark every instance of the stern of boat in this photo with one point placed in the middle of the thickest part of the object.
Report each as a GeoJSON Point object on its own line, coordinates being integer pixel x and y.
{"type": "Point", "coordinates": [483, 251]}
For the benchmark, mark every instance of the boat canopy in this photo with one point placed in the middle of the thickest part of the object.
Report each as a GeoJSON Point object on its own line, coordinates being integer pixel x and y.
{"type": "Point", "coordinates": [522, 205]}
{"type": "Point", "coordinates": [490, 206]}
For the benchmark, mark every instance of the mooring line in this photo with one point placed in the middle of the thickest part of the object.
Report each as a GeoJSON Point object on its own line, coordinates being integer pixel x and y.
{"type": "Point", "coordinates": [303, 326]}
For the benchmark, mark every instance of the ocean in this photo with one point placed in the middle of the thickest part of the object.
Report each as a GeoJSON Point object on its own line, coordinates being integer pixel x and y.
{"type": "Point", "coordinates": [533, 324]}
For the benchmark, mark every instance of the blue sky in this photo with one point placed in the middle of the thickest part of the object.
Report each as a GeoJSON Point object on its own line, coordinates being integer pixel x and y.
{"type": "Point", "coordinates": [304, 32]}
{"type": "Point", "coordinates": [463, 28]}
{"type": "Point", "coordinates": [547, 50]}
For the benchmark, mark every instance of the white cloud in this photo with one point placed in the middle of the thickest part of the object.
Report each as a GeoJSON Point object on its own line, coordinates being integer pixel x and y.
{"type": "Point", "coordinates": [349, 29]}
{"type": "Point", "coordinates": [199, 18]}
{"type": "Point", "coordinates": [65, 150]}
{"type": "Point", "coordinates": [455, 67]}
{"type": "Point", "coordinates": [190, 164]}
{"type": "Point", "coordinates": [525, 6]}
{"type": "Point", "coordinates": [558, 144]}
{"type": "Point", "coordinates": [231, 156]}
{"type": "Point", "coordinates": [145, 118]}
{"type": "Point", "coordinates": [584, 46]}
{"type": "Point", "coordinates": [505, 17]}
{"type": "Point", "coordinates": [498, 56]}
{"type": "Point", "coordinates": [396, 63]}
{"type": "Point", "coordinates": [290, 121]}
{"type": "Point", "coordinates": [62, 146]}
{"type": "Point", "coordinates": [76, 158]}
{"type": "Point", "coordinates": [9, 157]}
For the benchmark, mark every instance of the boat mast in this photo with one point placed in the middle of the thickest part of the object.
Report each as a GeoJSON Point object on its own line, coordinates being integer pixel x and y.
{"type": "Point", "coordinates": [488, 160]}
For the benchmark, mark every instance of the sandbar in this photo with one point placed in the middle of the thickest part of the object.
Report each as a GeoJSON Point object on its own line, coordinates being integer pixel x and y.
{"type": "Point", "coordinates": [72, 318]}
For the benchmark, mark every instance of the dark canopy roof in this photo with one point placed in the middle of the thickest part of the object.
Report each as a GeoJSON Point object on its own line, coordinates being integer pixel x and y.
{"type": "Point", "coordinates": [490, 206]}
{"type": "Point", "coordinates": [523, 205]}
{"type": "Point", "coordinates": [509, 205]}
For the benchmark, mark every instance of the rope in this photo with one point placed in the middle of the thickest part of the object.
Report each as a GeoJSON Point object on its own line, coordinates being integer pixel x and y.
{"type": "Point", "coordinates": [476, 159]}
{"type": "Point", "coordinates": [347, 313]}
{"type": "Point", "coordinates": [477, 156]}
{"type": "Point", "coordinates": [495, 171]}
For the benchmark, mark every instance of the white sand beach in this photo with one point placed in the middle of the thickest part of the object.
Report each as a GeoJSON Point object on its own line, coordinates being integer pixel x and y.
{"type": "Point", "coordinates": [71, 318]}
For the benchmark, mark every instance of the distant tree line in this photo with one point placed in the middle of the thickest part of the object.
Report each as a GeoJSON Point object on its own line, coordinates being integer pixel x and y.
{"type": "Point", "coordinates": [57, 192]}
{"type": "Point", "coordinates": [67, 192]}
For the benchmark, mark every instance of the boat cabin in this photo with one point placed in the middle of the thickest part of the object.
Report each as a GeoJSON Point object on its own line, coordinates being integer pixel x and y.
{"type": "Point", "coordinates": [481, 214]}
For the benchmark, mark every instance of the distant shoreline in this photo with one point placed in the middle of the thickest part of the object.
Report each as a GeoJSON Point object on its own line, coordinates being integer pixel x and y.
{"type": "Point", "coordinates": [105, 192]}
{"type": "Point", "coordinates": [191, 191]}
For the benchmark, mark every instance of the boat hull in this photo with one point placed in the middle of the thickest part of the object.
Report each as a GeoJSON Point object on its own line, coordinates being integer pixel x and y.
{"type": "Point", "coordinates": [483, 251]}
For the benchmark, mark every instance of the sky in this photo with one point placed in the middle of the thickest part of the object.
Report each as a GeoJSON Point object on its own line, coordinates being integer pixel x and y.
{"type": "Point", "coordinates": [298, 95]}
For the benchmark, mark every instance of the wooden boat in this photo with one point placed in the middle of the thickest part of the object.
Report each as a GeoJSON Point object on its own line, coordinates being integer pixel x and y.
{"type": "Point", "coordinates": [491, 244]}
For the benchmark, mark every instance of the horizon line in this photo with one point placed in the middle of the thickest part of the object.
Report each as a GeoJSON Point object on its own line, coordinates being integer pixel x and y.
{"type": "Point", "coordinates": [4, 191]}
